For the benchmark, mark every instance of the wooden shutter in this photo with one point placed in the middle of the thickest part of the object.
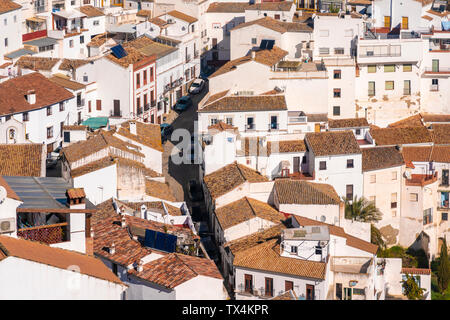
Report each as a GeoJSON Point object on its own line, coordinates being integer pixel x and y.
{"type": "Point", "coordinates": [99, 104]}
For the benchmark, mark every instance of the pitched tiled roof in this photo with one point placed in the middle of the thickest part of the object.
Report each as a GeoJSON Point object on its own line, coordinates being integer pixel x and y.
{"type": "Point", "coordinates": [92, 166]}
{"type": "Point", "coordinates": [159, 190]}
{"type": "Point", "coordinates": [429, 117]}
{"type": "Point", "coordinates": [266, 257]}
{"type": "Point", "coordinates": [229, 177]}
{"type": "Point", "coordinates": [276, 25]}
{"type": "Point", "coordinates": [144, 13]}
{"type": "Point", "coordinates": [36, 63]}
{"type": "Point", "coordinates": [381, 158]}
{"type": "Point", "coordinates": [272, 6]}
{"type": "Point", "coordinates": [56, 257]}
{"type": "Point", "coordinates": [7, 5]}
{"type": "Point", "coordinates": [332, 143]}
{"type": "Point", "coordinates": [254, 239]}
{"type": "Point", "coordinates": [437, 153]}
{"type": "Point", "coordinates": [266, 57]}
{"type": "Point", "coordinates": [286, 146]}
{"type": "Point", "coordinates": [12, 93]}
{"type": "Point", "coordinates": [304, 192]}
{"type": "Point", "coordinates": [338, 231]}
{"type": "Point", "coordinates": [182, 16]}
{"type": "Point", "coordinates": [246, 103]}
{"type": "Point", "coordinates": [90, 11]}
{"type": "Point", "coordinates": [75, 127]}
{"type": "Point", "coordinates": [348, 123]}
{"type": "Point", "coordinates": [133, 56]}
{"type": "Point", "coordinates": [148, 134]}
{"type": "Point", "coordinates": [221, 126]}
{"type": "Point", "coordinates": [175, 269]}
{"type": "Point", "coordinates": [413, 121]}
{"type": "Point", "coordinates": [68, 64]}
{"type": "Point", "coordinates": [246, 209]}
{"type": "Point", "coordinates": [416, 271]}
{"type": "Point", "coordinates": [406, 135]}
{"type": "Point", "coordinates": [158, 21]}
{"type": "Point", "coordinates": [67, 83]}
{"type": "Point", "coordinates": [217, 96]}
{"type": "Point", "coordinates": [228, 7]}
{"type": "Point", "coordinates": [21, 159]}
{"type": "Point", "coordinates": [81, 149]}
{"type": "Point", "coordinates": [441, 133]}
{"type": "Point", "coordinates": [99, 39]}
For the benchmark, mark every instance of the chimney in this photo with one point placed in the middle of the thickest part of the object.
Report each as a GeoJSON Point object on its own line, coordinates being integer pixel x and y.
{"type": "Point", "coordinates": [31, 96]}
{"type": "Point", "coordinates": [253, 55]}
{"type": "Point", "coordinates": [143, 210]}
{"type": "Point", "coordinates": [140, 266]}
{"type": "Point", "coordinates": [76, 198]}
{"type": "Point", "coordinates": [133, 129]}
{"type": "Point", "coordinates": [112, 249]}
{"type": "Point", "coordinates": [123, 223]}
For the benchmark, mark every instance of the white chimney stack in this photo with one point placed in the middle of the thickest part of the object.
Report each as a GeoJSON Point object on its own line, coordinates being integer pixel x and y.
{"type": "Point", "coordinates": [112, 249]}
{"type": "Point", "coordinates": [133, 129]}
{"type": "Point", "coordinates": [140, 266]}
{"type": "Point", "coordinates": [31, 97]}
{"type": "Point", "coordinates": [253, 55]}
{"type": "Point", "coordinates": [124, 222]}
{"type": "Point", "coordinates": [143, 210]}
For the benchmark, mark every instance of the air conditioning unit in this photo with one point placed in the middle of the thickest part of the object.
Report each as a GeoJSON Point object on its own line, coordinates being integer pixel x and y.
{"type": "Point", "coordinates": [7, 225]}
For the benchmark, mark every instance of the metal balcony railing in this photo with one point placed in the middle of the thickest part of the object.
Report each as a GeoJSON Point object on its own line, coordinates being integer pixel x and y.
{"type": "Point", "coordinates": [250, 127]}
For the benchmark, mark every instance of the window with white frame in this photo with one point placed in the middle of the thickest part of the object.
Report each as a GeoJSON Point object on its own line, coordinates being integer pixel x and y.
{"type": "Point", "coordinates": [414, 197]}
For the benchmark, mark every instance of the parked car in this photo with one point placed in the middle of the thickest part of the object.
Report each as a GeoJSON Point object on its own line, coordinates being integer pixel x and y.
{"type": "Point", "coordinates": [183, 104]}
{"type": "Point", "coordinates": [195, 191]}
{"type": "Point", "coordinates": [197, 86]}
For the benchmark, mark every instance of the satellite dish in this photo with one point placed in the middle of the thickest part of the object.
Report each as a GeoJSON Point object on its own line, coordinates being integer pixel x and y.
{"type": "Point", "coordinates": [3, 194]}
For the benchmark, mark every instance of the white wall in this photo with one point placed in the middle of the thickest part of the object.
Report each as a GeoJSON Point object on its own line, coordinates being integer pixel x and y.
{"type": "Point", "coordinates": [98, 185]}
{"type": "Point", "coordinates": [24, 279]}
{"type": "Point", "coordinates": [201, 288]}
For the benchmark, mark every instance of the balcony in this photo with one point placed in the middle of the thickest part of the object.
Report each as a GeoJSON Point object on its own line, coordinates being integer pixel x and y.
{"type": "Point", "coordinates": [421, 180]}
{"type": "Point", "coordinates": [50, 234]}
{"type": "Point", "coordinates": [440, 70]}
{"type": "Point", "coordinates": [250, 127]}
{"type": "Point", "coordinates": [115, 113]}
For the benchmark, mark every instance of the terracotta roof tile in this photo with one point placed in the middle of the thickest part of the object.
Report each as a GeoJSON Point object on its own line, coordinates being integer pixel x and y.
{"type": "Point", "coordinates": [99, 39]}
{"type": "Point", "coordinates": [228, 7]}
{"type": "Point", "coordinates": [332, 143]}
{"type": "Point", "coordinates": [182, 16]}
{"type": "Point", "coordinates": [244, 210]}
{"type": "Point", "coordinates": [159, 190]}
{"type": "Point", "coordinates": [133, 56]}
{"type": "Point", "coordinates": [229, 177]}
{"type": "Point", "coordinates": [348, 123]}
{"type": "Point", "coordinates": [67, 83]}
{"type": "Point", "coordinates": [92, 166]}
{"type": "Point", "coordinates": [266, 57]}
{"type": "Point", "coordinates": [68, 64]}
{"type": "Point", "coordinates": [21, 159]}
{"type": "Point", "coordinates": [416, 271]}
{"type": "Point", "coordinates": [36, 63]}
{"type": "Point", "coordinates": [427, 18]}
{"type": "Point", "coordinates": [286, 146]}
{"type": "Point", "coordinates": [304, 192]}
{"type": "Point", "coordinates": [405, 135]}
{"type": "Point", "coordinates": [381, 158]}
{"type": "Point", "coordinates": [175, 269]}
{"type": "Point", "coordinates": [216, 96]}
{"type": "Point", "coordinates": [90, 11]}
{"type": "Point", "coordinates": [288, 295]}
{"type": "Point", "coordinates": [56, 257]}
{"type": "Point", "coordinates": [276, 25]}
{"type": "Point", "coordinates": [148, 134]}
{"type": "Point", "coordinates": [144, 13]}
{"type": "Point", "coordinates": [413, 121]}
{"type": "Point", "coordinates": [429, 117]}
{"type": "Point", "coordinates": [12, 93]}
{"type": "Point", "coordinates": [158, 21]}
{"type": "Point", "coordinates": [441, 154]}
{"type": "Point", "coordinates": [7, 5]}
{"type": "Point", "coordinates": [338, 231]}
{"type": "Point", "coordinates": [221, 126]}
{"type": "Point", "coordinates": [441, 133]}
{"type": "Point", "coordinates": [246, 103]}
{"type": "Point", "coordinates": [155, 206]}
{"type": "Point", "coordinates": [75, 127]}
{"type": "Point", "coordinates": [76, 193]}
{"type": "Point", "coordinates": [272, 6]}
{"type": "Point", "coordinates": [416, 154]}
{"type": "Point", "coordinates": [266, 257]}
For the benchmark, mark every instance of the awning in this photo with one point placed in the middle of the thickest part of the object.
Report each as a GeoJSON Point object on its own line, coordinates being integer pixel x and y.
{"type": "Point", "coordinates": [72, 14]}
{"type": "Point", "coordinates": [96, 122]}
{"type": "Point", "coordinates": [36, 19]}
{"type": "Point", "coordinates": [19, 53]}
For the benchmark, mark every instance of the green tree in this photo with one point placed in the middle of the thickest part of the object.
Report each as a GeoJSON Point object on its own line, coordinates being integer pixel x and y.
{"type": "Point", "coordinates": [412, 289]}
{"type": "Point", "coordinates": [377, 238]}
{"type": "Point", "coordinates": [361, 210]}
{"type": "Point", "coordinates": [443, 272]}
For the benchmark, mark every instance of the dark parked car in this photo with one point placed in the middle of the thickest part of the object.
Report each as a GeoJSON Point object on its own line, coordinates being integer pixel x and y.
{"type": "Point", "coordinates": [166, 130]}
{"type": "Point", "coordinates": [195, 191]}
{"type": "Point", "coordinates": [183, 104]}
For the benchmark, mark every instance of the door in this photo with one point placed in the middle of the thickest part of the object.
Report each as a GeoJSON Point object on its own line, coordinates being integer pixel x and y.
{"type": "Point", "coordinates": [317, 127]}
{"type": "Point", "coordinates": [288, 285]}
{"type": "Point", "coordinates": [309, 292]}
{"type": "Point", "coordinates": [347, 293]}
{"type": "Point", "coordinates": [445, 177]}
{"type": "Point", "coordinates": [214, 43]}
{"type": "Point", "coordinates": [117, 108]}
{"type": "Point", "coordinates": [99, 104]}
{"type": "Point", "coordinates": [89, 106]}
{"type": "Point", "coordinates": [277, 17]}
{"type": "Point", "coordinates": [248, 278]}
{"type": "Point", "coordinates": [338, 291]}
{"type": "Point", "coordinates": [296, 164]}
{"type": "Point", "coordinates": [404, 22]}
{"type": "Point", "coordinates": [79, 117]}
{"type": "Point", "coordinates": [269, 287]}
{"type": "Point", "coordinates": [435, 66]}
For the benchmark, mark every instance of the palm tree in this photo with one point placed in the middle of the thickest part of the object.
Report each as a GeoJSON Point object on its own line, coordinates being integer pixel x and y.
{"type": "Point", "coordinates": [361, 210]}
